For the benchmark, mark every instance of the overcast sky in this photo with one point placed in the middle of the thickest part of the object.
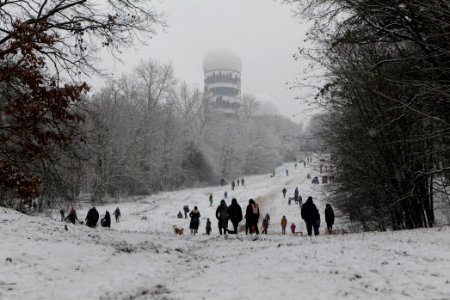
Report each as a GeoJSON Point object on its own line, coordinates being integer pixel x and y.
{"type": "Point", "coordinates": [263, 32]}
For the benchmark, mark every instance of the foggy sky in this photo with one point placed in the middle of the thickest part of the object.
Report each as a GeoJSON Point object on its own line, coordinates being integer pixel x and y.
{"type": "Point", "coordinates": [263, 32]}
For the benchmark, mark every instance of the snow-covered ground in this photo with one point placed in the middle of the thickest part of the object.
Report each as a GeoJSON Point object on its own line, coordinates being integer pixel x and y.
{"type": "Point", "coordinates": [141, 258]}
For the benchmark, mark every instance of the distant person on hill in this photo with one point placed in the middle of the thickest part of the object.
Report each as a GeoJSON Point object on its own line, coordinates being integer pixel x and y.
{"type": "Point", "coordinates": [222, 217]}
{"type": "Point", "coordinates": [295, 165]}
{"type": "Point", "coordinates": [237, 181]}
{"type": "Point", "coordinates": [116, 214]}
{"type": "Point", "coordinates": [233, 184]}
{"type": "Point", "coordinates": [304, 164]}
{"type": "Point", "coordinates": [283, 224]}
{"type": "Point", "coordinates": [252, 216]}
{"type": "Point", "coordinates": [235, 215]}
{"type": "Point", "coordinates": [72, 216]}
{"type": "Point", "coordinates": [311, 216]}
{"type": "Point", "coordinates": [61, 212]}
{"type": "Point", "coordinates": [287, 172]}
{"type": "Point", "coordinates": [225, 195]}
{"type": "Point", "coordinates": [186, 210]}
{"type": "Point", "coordinates": [195, 220]}
{"type": "Point", "coordinates": [106, 221]}
{"type": "Point", "coordinates": [210, 199]}
{"type": "Point", "coordinates": [329, 218]}
{"type": "Point", "coordinates": [296, 195]}
{"type": "Point", "coordinates": [242, 181]}
{"type": "Point", "coordinates": [92, 217]}
{"type": "Point", "coordinates": [208, 227]}
{"type": "Point", "coordinates": [222, 181]}
{"type": "Point", "coordinates": [284, 192]}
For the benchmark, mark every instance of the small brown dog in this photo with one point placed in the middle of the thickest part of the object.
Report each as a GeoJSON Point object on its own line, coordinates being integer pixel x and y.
{"type": "Point", "coordinates": [178, 231]}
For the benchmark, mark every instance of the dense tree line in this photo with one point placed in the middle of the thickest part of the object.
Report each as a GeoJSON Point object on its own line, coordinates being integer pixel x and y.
{"type": "Point", "coordinates": [387, 104]}
{"type": "Point", "coordinates": [45, 48]}
{"type": "Point", "coordinates": [148, 133]}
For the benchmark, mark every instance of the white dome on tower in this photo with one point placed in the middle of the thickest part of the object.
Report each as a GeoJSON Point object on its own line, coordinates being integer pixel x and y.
{"type": "Point", "coordinates": [222, 59]}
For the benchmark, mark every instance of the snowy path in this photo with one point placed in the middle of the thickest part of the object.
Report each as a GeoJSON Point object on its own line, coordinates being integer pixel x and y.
{"type": "Point", "coordinates": [141, 258]}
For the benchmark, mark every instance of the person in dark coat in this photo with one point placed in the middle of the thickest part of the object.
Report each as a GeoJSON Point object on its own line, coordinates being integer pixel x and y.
{"type": "Point", "coordinates": [72, 216]}
{"type": "Point", "coordinates": [116, 214]}
{"type": "Point", "coordinates": [329, 218]}
{"type": "Point", "coordinates": [266, 222]}
{"type": "Point", "coordinates": [92, 217]}
{"type": "Point", "coordinates": [222, 216]}
{"type": "Point", "coordinates": [311, 216]}
{"type": "Point", "coordinates": [61, 212]}
{"type": "Point", "coordinates": [242, 181]}
{"type": "Point", "coordinates": [235, 215]}
{"type": "Point", "coordinates": [208, 227]}
{"type": "Point", "coordinates": [106, 221]}
{"type": "Point", "coordinates": [284, 192]}
{"type": "Point", "coordinates": [296, 195]}
{"type": "Point", "coordinates": [233, 184]}
{"type": "Point", "coordinates": [195, 220]}
{"type": "Point", "coordinates": [252, 216]}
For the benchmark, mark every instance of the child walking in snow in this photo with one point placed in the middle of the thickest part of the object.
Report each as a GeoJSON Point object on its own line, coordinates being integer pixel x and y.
{"type": "Point", "coordinates": [293, 228]}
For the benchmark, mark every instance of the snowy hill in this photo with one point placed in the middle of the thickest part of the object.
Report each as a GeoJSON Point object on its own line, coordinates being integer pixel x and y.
{"type": "Point", "coordinates": [141, 258]}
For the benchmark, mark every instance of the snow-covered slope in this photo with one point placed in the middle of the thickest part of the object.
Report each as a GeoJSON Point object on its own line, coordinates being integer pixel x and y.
{"type": "Point", "coordinates": [141, 258]}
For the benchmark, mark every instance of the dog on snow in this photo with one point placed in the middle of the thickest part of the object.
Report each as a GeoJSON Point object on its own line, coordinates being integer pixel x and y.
{"type": "Point", "coordinates": [178, 231]}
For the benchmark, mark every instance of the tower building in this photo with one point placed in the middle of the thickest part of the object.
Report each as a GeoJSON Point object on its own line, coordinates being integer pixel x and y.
{"type": "Point", "coordinates": [222, 72]}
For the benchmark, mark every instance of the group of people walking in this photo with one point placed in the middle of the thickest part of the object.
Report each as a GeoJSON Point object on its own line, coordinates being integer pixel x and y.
{"type": "Point", "coordinates": [233, 213]}
{"type": "Point", "coordinates": [92, 217]}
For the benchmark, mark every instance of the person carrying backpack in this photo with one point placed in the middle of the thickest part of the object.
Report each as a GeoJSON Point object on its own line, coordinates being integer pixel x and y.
{"type": "Point", "coordinates": [252, 216]}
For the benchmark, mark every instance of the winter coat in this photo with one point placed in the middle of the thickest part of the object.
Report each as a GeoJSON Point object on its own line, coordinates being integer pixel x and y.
{"type": "Point", "coordinates": [329, 215]}
{"type": "Point", "coordinates": [283, 221]}
{"type": "Point", "coordinates": [117, 212]}
{"type": "Point", "coordinates": [235, 212]}
{"type": "Point", "coordinates": [310, 213]}
{"type": "Point", "coordinates": [106, 221]}
{"type": "Point", "coordinates": [293, 227]}
{"type": "Point", "coordinates": [195, 219]}
{"type": "Point", "coordinates": [72, 217]}
{"type": "Point", "coordinates": [92, 217]}
{"type": "Point", "coordinates": [186, 209]}
{"type": "Point", "coordinates": [266, 222]}
{"type": "Point", "coordinates": [222, 214]}
{"type": "Point", "coordinates": [252, 213]}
